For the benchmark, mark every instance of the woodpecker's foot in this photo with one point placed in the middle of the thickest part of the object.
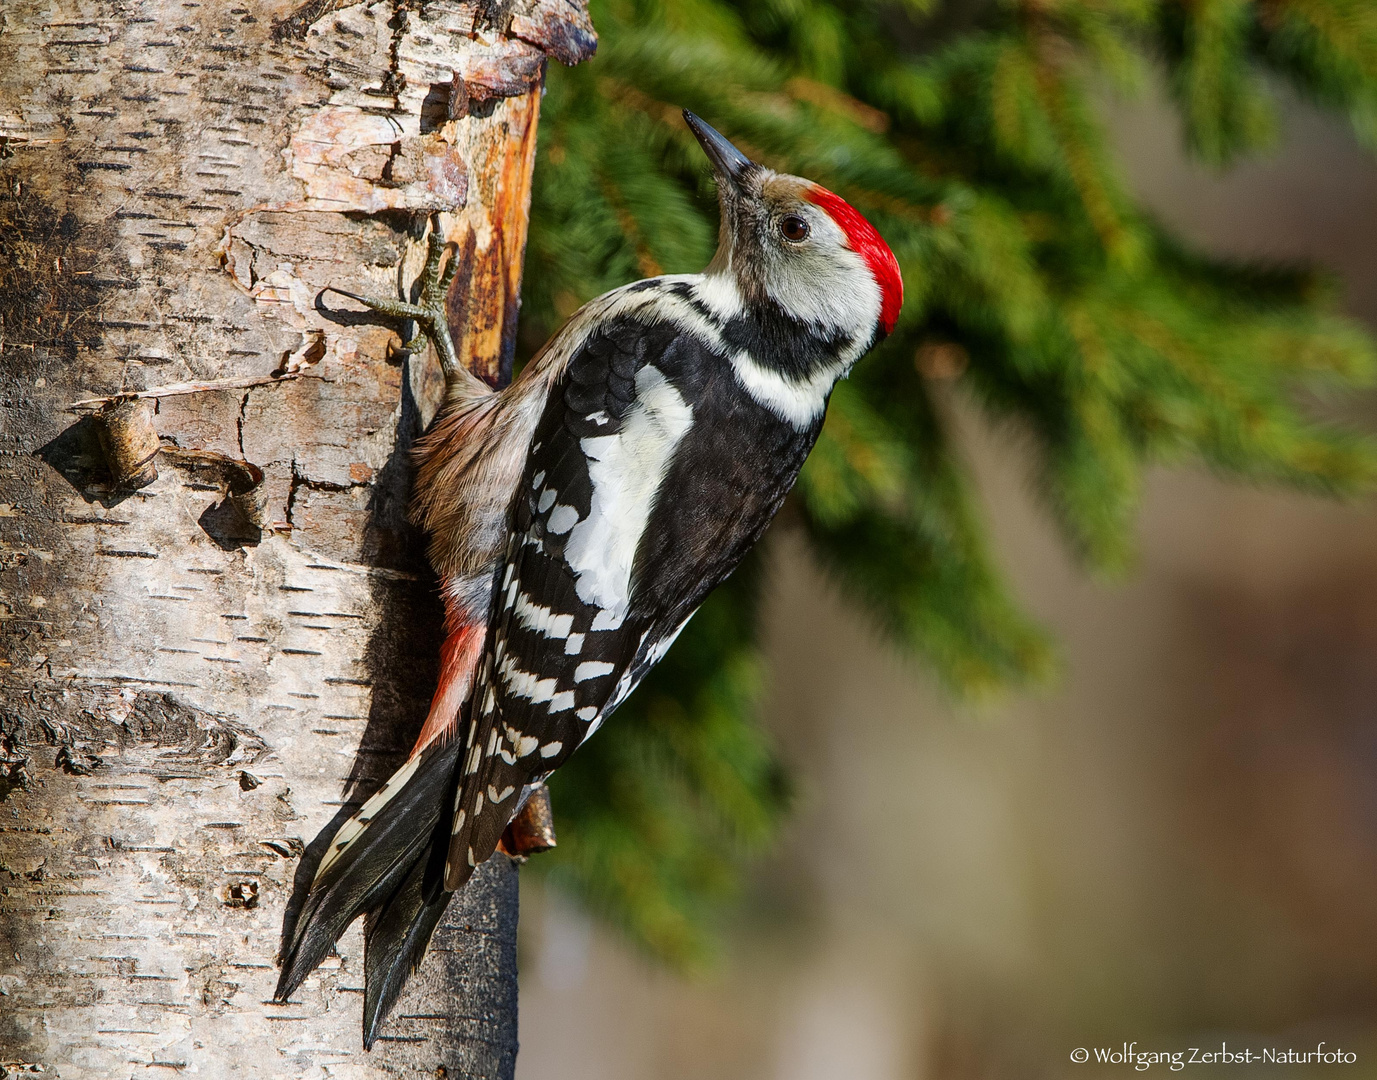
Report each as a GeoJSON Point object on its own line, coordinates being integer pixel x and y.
{"type": "Point", "coordinates": [533, 829]}
{"type": "Point", "coordinates": [429, 313]}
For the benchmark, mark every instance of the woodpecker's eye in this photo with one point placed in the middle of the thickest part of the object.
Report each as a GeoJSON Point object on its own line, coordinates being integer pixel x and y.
{"type": "Point", "coordinates": [794, 228]}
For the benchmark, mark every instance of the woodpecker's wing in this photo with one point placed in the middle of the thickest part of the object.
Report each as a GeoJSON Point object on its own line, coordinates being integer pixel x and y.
{"type": "Point", "coordinates": [634, 504]}
{"type": "Point", "coordinates": [559, 633]}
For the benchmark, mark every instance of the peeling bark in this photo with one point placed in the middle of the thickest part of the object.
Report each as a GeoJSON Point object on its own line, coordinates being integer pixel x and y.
{"type": "Point", "coordinates": [205, 668]}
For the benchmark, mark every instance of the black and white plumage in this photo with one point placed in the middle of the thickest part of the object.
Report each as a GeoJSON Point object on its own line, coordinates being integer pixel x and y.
{"type": "Point", "coordinates": [580, 517]}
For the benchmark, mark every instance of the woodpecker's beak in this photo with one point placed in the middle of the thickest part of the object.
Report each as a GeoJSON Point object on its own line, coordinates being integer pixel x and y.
{"type": "Point", "coordinates": [729, 162]}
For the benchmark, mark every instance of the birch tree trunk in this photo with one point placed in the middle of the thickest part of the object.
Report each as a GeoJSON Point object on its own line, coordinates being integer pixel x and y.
{"type": "Point", "coordinates": [214, 650]}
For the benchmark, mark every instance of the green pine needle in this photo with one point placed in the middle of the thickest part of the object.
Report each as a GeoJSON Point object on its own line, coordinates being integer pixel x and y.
{"type": "Point", "coordinates": [969, 134]}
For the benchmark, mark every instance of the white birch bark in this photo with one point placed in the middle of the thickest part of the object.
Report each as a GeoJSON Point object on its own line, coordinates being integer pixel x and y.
{"type": "Point", "coordinates": [186, 702]}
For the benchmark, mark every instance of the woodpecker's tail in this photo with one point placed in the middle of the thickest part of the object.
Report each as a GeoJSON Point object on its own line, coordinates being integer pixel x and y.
{"type": "Point", "coordinates": [380, 862]}
{"type": "Point", "coordinates": [387, 860]}
{"type": "Point", "coordinates": [396, 937]}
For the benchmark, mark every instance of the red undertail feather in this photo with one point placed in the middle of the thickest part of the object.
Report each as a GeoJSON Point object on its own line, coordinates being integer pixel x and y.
{"type": "Point", "coordinates": [870, 246]}
{"type": "Point", "coordinates": [458, 659]}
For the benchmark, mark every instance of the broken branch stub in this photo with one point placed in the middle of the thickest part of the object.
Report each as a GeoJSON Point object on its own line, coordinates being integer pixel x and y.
{"type": "Point", "coordinates": [533, 829]}
{"type": "Point", "coordinates": [130, 442]}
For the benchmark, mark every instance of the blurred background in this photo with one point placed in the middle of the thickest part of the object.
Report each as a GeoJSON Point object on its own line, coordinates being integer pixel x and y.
{"type": "Point", "coordinates": [1166, 834]}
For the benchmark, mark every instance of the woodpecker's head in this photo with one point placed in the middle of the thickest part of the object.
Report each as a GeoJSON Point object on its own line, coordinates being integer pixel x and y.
{"type": "Point", "coordinates": [787, 240]}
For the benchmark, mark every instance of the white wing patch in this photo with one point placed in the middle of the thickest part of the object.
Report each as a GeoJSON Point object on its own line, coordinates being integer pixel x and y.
{"type": "Point", "coordinates": [607, 619]}
{"type": "Point", "coordinates": [626, 470]}
{"type": "Point", "coordinates": [562, 519]}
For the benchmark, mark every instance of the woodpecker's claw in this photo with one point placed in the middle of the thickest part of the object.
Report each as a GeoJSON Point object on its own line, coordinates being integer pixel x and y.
{"type": "Point", "coordinates": [429, 315]}
{"type": "Point", "coordinates": [400, 308]}
{"type": "Point", "coordinates": [435, 284]}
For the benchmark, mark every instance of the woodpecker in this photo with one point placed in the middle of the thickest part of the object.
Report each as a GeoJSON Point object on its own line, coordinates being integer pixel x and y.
{"type": "Point", "coordinates": [580, 516]}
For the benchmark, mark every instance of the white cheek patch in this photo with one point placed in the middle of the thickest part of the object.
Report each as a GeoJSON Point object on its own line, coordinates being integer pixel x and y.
{"type": "Point", "coordinates": [824, 285]}
{"type": "Point", "coordinates": [626, 470]}
{"type": "Point", "coordinates": [828, 285]}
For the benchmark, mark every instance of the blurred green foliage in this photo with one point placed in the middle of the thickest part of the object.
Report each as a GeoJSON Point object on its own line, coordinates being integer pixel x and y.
{"type": "Point", "coordinates": [969, 134]}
